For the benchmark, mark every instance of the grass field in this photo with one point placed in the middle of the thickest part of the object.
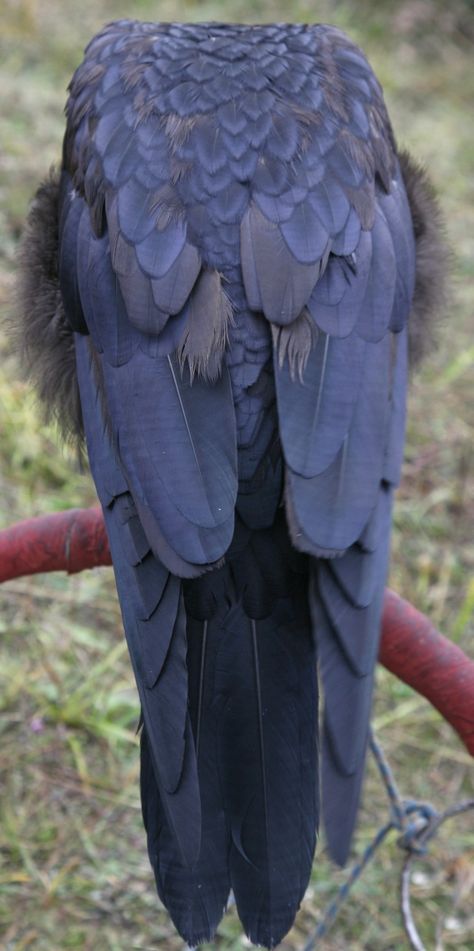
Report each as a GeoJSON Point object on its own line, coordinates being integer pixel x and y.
{"type": "Point", "coordinates": [73, 868]}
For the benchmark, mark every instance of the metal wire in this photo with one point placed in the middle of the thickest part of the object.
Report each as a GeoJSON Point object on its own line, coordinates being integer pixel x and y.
{"type": "Point", "coordinates": [333, 908]}
{"type": "Point", "coordinates": [405, 879]}
{"type": "Point", "coordinates": [417, 823]}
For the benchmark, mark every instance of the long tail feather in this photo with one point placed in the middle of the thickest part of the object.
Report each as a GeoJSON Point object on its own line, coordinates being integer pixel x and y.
{"type": "Point", "coordinates": [268, 739]}
{"type": "Point", "coordinates": [195, 896]}
{"type": "Point", "coordinates": [265, 724]}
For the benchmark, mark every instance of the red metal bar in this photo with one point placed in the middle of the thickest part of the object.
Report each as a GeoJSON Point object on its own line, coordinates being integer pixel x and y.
{"type": "Point", "coordinates": [411, 648]}
{"type": "Point", "coordinates": [65, 541]}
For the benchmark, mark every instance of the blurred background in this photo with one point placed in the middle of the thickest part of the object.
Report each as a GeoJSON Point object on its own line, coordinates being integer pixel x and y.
{"type": "Point", "coordinates": [73, 865]}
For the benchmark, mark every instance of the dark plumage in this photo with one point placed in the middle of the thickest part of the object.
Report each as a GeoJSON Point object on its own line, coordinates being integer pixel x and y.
{"type": "Point", "coordinates": [433, 260]}
{"type": "Point", "coordinates": [225, 266]}
{"type": "Point", "coordinates": [40, 331]}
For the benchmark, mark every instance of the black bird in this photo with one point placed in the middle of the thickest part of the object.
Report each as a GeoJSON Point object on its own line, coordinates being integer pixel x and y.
{"type": "Point", "coordinates": [216, 289]}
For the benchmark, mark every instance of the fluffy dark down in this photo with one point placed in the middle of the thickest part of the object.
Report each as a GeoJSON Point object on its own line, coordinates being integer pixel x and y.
{"type": "Point", "coordinates": [40, 331]}
{"type": "Point", "coordinates": [432, 260]}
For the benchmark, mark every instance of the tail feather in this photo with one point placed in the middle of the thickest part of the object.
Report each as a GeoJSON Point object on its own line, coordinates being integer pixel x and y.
{"type": "Point", "coordinates": [266, 684]}
{"type": "Point", "coordinates": [253, 710]}
{"type": "Point", "coordinates": [195, 896]}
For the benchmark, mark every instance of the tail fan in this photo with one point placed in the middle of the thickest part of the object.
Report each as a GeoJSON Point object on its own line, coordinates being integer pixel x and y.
{"type": "Point", "coordinates": [260, 716]}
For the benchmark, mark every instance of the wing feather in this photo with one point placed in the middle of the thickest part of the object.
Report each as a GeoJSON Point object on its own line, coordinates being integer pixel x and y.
{"type": "Point", "coordinates": [153, 626]}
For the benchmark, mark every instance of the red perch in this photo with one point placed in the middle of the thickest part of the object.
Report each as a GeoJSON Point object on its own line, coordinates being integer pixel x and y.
{"type": "Point", "coordinates": [411, 648]}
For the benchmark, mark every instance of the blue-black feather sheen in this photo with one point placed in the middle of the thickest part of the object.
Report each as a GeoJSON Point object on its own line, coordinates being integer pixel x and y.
{"type": "Point", "coordinates": [237, 260]}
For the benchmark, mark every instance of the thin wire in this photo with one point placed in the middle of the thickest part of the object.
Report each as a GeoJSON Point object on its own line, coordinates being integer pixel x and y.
{"type": "Point", "coordinates": [405, 879]}
{"type": "Point", "coordinates": [333, 908]}
{"type": "Point", "coordinates": [409, 817]}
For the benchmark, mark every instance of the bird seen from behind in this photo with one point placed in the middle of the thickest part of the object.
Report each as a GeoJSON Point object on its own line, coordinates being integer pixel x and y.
{"type": "Point", "coordinates": [218, 291]}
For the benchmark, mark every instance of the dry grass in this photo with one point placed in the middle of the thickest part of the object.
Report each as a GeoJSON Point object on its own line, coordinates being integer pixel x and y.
{"type": "Point", "coordinates": [73, 869]}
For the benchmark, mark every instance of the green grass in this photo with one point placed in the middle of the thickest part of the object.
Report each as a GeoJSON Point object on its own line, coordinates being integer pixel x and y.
{"type": "Point", "coordinates": [73, 866]}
